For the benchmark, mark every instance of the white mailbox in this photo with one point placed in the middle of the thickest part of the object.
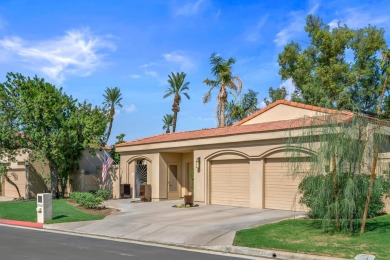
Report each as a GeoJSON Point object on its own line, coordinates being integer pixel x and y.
{"type": "Point", "coordinates": [44, 207]}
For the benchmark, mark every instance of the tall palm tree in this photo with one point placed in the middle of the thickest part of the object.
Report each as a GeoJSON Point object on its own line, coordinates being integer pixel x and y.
{"type": "Point", "coordinates": [240, 108]}
{"type": "Point", "coordinates": [167, 122]}
{"type": "Point", "coordinates": [177, 86]}
{"type": "Point", "coordinates": [222, 72]}
{"type": "Point", "coordinates": [112, 98]}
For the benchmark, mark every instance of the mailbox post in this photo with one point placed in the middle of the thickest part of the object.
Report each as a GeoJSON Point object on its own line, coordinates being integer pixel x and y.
{"type": "Point", "coordinates": [44, 207]}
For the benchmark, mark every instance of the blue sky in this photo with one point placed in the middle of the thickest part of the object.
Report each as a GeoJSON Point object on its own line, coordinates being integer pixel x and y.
{"type": "Point", "coordinates": [86, 46]}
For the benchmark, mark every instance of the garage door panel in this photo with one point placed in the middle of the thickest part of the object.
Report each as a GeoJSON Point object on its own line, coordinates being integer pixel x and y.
{"type": "Point", "coordinates": [229, 183]}
{"type": "Point", "coordinates": [280, 186]}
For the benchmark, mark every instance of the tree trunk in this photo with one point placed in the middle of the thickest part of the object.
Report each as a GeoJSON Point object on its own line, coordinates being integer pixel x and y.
{"type": "Point", "coordinates": [175, 110]}
{"type": "Point", "coordinates": [53, 180]}
{"type": "Point", "coordinates": [112, 113]}
{"type": "Point", "coordinates": [382, 94]}
{"type": "Point", "coordinates": [370, 185]}
{"type": "Point", "coordinates": [222, 97]}
{"type": "Point", "coordinates": [174, 121]}
{"type": "Point", "coordinates": [13, 184]}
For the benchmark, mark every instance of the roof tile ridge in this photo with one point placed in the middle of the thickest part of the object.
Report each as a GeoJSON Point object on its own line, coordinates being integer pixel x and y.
{"type": "Point", "coordinates": [274, 104]}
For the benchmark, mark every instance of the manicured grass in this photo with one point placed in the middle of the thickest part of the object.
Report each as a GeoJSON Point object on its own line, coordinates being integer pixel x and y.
{"type": "Point", "coordinates": [26, 211]}
{"type": "Point", "coordinates": [306, 236]}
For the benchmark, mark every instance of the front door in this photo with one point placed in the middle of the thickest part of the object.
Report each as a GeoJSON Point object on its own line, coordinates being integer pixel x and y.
{"type": "Point", "coordinates": [173, 183]}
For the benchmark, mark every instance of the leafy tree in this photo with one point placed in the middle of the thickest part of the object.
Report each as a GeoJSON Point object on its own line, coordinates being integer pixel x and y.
{"type": "Point", "coordinates": [177, 86]}
{"type": "Point", "coordinates": [275, 95]}
{"type": "Point", "coordinates": [38, 118]}
{"type": "Point", "coordinates": [167, 122]}
{"type": "Point", "coordinates": [112, 98]}
{"type": "Point", "coordinates": [222, 71]}
{"type": "Point", "coordinates": [340, 68]}
{"type": "Point", "coordinates": [335, 183]}
{"type": "Point", "coordinates": [240, 108]}
{"type": "Point", "coordinates": [385, 66]}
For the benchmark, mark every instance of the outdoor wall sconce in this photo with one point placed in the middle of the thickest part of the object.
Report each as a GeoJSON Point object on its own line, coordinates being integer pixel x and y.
{"type": "Point", "coordinates": [197, 164]}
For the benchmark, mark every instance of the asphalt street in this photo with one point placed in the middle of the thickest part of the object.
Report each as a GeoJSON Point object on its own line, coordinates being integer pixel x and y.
{"type": "Point", "coordinates": [18, 244]}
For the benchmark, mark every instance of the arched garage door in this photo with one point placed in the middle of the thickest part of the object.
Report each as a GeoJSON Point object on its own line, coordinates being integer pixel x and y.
{"type": "Point", "coordinates": [229, 183]}
{"type": "Point", "coordinates": [280, 187]}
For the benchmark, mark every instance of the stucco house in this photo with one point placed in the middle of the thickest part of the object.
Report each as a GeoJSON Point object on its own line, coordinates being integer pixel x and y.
{"type": "Point", "coordinates": [33, 177]}
{"type": "Point", "coordinates": [241, 165]}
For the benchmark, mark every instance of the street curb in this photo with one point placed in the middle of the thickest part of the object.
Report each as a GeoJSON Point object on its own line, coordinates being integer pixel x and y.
{"type": "Point", "coordinates": [282, 255]}
{"type": "Point", "coordinates": [232, 250]}
{"type": "Point", "coordinates": [21, 223]}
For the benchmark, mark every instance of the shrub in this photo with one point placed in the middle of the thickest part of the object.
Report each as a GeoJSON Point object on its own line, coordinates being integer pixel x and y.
{"type": "Point", "coordinates": [104, 194]}
{"type": "Point", "coordinates": [319, 196]}
{"type": "Point", "coordinates": [87, 199]}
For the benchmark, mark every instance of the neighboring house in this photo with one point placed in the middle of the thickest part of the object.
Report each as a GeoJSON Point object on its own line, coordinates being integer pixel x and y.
{"type": "Point", "coordinates": [33, 177]}
{"type": "Point", "coordinates": [241, 165]}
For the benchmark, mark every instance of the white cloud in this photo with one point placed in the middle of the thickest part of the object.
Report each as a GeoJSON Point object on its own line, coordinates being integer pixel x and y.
{"type": "Point", "coordinates": [129, 108]}
{"type": "Point", "coordinates": [135, 76]}
{"type": "Point", "coordinates": [290, 87]}
{"type": "Point", "coordinates": [360, 17]}
{"type": "Point", "coordinates": [151, 73]}
{"type": "Point", "coordinates": [179, 58]}
{"type": "Point", "coordinates": [297, 22]}
{"type": "Point", "coordinates": [189, 9]}
{"type": "Point", "coordinates": [78, 52]}
{"type": "Point", "coordinates": [254, 33]}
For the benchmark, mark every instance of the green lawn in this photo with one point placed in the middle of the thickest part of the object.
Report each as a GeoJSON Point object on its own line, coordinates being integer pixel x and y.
{"type": "Point", "coordinates": [26, 211]}
{"type": "Point", "coordinates": [306, 236]}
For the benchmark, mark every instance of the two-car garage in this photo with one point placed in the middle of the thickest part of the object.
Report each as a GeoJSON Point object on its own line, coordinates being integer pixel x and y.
{"type": "Point", "coordinates": [230, 184]}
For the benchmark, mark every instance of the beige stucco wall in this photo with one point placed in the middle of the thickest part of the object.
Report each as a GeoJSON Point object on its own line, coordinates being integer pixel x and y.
{"type": "Point", "coordinates": [125, 172]}
{"type": "Point", "coordinates": [282, 112]}
{"type": "Point", "coordinates": [256, 152]}
{"type": "Point", "coordinates": [39, 175]}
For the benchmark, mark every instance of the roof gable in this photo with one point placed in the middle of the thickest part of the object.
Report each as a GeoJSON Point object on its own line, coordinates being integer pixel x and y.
{"type": "Point", "coordinates": [284, 110]}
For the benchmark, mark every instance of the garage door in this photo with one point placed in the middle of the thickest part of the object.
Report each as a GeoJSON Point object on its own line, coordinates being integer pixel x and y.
{"type": "Point", "coordinates": [230, 183]}
{"type": "Point", "coordinates": [280, 187]}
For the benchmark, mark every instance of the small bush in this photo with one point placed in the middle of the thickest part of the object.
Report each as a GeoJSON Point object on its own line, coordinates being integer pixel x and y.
{"type": "Point", "coordinates": [87, 199]}
{"type": "Point", "coordinates": [104, 194]}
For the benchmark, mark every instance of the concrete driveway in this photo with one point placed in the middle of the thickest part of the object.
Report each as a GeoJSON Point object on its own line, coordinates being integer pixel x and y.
{"type": "Point", "coordinates": [206, 225]}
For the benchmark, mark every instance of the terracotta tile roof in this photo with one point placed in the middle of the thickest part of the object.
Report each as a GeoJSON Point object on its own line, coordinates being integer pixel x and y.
{"type": "Point", "coordinates": [234, 130]}
{"type": "Point", "coordinates": [288, 103]}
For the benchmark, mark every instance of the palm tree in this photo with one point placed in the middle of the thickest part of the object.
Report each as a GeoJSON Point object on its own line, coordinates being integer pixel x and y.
{"type": "Point", "coordinates": [112, 98]}
{"type": "Point", "coordinates": [167, 122]}
{"type": "Point", "coordinates": [222, 72]}
{"type": "Point", "coordinates": [177, 86]}
{"type": "Point", "coordinates": [239, 109]}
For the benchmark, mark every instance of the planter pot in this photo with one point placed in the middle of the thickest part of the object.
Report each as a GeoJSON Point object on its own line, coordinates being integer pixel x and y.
{"type": "Point", "coordinates": [189, 200]}
{"type": "Point", "coordinates": [146, 193]}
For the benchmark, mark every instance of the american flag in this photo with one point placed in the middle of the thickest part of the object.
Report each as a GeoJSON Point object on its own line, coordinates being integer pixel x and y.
{"type": "Point", "coordinates": [107, 162]}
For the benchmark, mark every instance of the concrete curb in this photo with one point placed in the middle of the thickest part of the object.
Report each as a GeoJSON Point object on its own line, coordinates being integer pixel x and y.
{"type": "Point", "coordinates": [232, 250]}
{"type": "Point", "coordinates": [283, 255]}
{"type": "Point", "coordinates": [20, 223]}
